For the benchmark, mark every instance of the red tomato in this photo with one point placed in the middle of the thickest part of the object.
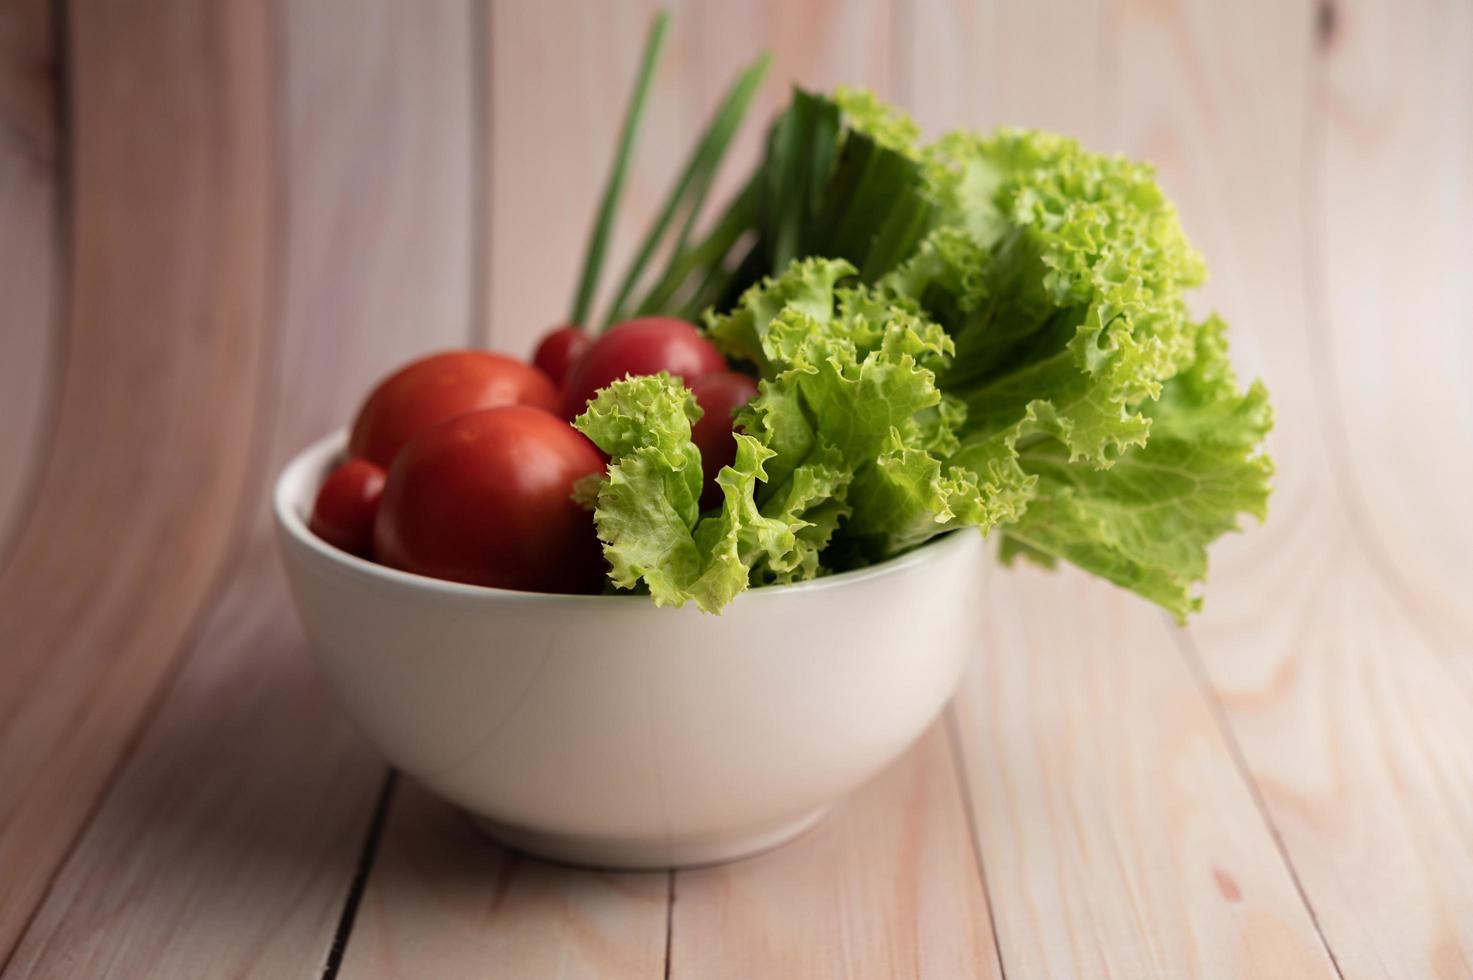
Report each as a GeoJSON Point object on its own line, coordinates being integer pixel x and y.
{"type": "Point", "coordinates": [484, 499]}
{"type": "Point", "coordinates": [559, 351]}
{"type": "Point", "coordinates": [646, 346]}
{"type": "Point", "coordinates": [719, 395]}
{"type": "Point", "coordinates": [346, 506]}
{"type": "Point", "coordinates": [440, 387]}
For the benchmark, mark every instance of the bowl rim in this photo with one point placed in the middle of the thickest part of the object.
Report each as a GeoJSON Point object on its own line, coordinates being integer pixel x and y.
{"type": "Point", "coordinates": [291, 488]}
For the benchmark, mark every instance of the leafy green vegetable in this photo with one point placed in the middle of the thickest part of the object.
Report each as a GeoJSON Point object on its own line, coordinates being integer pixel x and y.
{"type": "Point", "coordinates": [840, 177]}
{"type": "Point", "coordinates": [983, 332]}
{"type": "Point", "coordinates": [647, 508]}
{"type": "Point", "coordinates": [1077, 304]}
{"type": "Point", "coordinates": [850, 384]}
{"type": "Point", "coordinates": [1075, 348]}
{"type": "Point", "coordinates": [800, 151]}
{"type": "Point", "coordinates": [1145, 522]}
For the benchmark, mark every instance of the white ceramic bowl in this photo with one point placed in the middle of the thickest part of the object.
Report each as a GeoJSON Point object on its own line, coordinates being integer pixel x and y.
{"type": "Point", "coordinates": [603, 730]}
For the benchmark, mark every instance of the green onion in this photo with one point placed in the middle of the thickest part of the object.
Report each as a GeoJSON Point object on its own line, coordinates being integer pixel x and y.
{"type": "Point", "coordinates": [695, 181]}
{"type": "Point", "coordinates": [712, 250]}
{"type": "Point", "coordinates": [598, 242]}
{"type": "Point", "coordinates": [800, 157]}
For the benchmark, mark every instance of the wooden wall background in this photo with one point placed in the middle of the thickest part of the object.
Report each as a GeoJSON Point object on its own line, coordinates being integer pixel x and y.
{"type": "Point", "coordinates": [219, 222]}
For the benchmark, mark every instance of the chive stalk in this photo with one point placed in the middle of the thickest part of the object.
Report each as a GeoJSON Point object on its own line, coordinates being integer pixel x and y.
{"type": "Point", "coordinates": [690, 190]}
{"type": "Point", "coordinates": [711, 250]}
{"type": "Point", "coordinates": [599, 239]}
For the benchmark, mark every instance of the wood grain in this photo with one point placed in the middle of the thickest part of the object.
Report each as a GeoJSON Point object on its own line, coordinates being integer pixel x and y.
{"type": "Point", "coordinates": [887, 887]}
{"type": "Point", "coordinates": [377, 190]}
{"type": "Point", "coordinates": [229, 840]}
{"type": "Point", "coordinates": [30, 254]}
{"type": "Point", "coordinates": [1037, 64]}
{"type": "Point", "coordinates": [445, 902]}
{"type": "Point", "coordinates": [1392, 150]}
{"type": "Point", "coordinates": [550, 148]}
{"type": "Point", "coordinates": [228, 843]}
{"type": "Point", "coordinates": [1350, 713]}
{"type": "Point", "coordinates": [1119, 837]}
{"type": "Point", "coordinates": [143, 480]}
{"type": "Point", "coordinates": [1118, 834]}
{"type": "Point", "coordinates": [1357, 740]}
{"type": "Point", "coordinates": [271, 203]}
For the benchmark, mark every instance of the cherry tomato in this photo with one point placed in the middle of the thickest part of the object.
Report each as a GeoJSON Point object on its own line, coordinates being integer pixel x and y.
{"type": "Point", "coordinates": [484, 498]}
{"type": "Point", "coordinates": [559, 351]}
{"type": "Point", "coordinates": [346, 506]}
{"type": "Point", "coordinates": [646, 346]}
{"type": "Point", "coordinates": [440, 387]}
{"type": "Point", "coordinates": [719, 395]}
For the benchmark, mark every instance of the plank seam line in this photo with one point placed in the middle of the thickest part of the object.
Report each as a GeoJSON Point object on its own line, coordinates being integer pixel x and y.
{"type": "Point", "coordinates": [194, 633]}
{"type": "Point", "coordinates": [958, 771]}
{"type": "Point", "coordinates": [482, 104]}
{"type": "Point", "coordinates": [1107, 76]}
{"type": "Point", "coordinates": [359, 885]}
{"type": "Point", "coordinates": [669, 919]}
{"type": "Point", "coordinates": [902, 44]}
{"type": "Point", "coordinates": [1195, 666]}
{"type": "Point", "coordinates": [199, 619]}
{"type": "Point", "coordinates": [1324, 378]}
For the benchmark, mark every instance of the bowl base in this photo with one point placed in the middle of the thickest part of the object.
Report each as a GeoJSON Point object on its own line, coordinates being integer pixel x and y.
{"type": "Point", "coordinates": [647, 854]}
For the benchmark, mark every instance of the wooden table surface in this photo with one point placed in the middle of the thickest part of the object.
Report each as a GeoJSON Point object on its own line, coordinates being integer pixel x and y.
{"type": "Point", "coordinates": [219, 222]}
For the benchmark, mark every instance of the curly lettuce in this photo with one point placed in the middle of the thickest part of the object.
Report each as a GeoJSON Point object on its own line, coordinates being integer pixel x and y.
{"type": "Point", "coordinates": [1079, 364]}
{"type": "Point", "coordinates": [982, 331]}
{"type": "Point", "coordinates": [1145, 522]}
{"type": "Point", "coordinates": [647, 507]}
{"type": "Point", "coordinates": [1074, 312]}
{"type": "Point", "coordinates": [850, 379]}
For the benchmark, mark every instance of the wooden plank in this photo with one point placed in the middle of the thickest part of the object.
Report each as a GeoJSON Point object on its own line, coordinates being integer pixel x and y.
{"type": "Point", "coordinates": [1351, 715]}
{"type": "Point", "coordinates": [887, 887]}
{"type": "Point", "coordinates": [137, 500]}
{"type": "Point", "coordinates": [29, 251]}
{"type": "Point", "coordinates": [227, 845]}
{"type": "Point", "coordinates": [445, 902]}
{"type": "Point", "coordinates": [1358, 739]}
{"type": "Point", "coordinates": [1392, 234]}
{"type": "Point", "coordinates": [229, 840]}
{"type": "Point", "coordinates": [379, 98]}
{"type": "Point", "coordinates": [816, 46]}
{"type": "Point", "coordinates": [1118, 835]}
{"type": "Point", "coordinates": [1014, 63]}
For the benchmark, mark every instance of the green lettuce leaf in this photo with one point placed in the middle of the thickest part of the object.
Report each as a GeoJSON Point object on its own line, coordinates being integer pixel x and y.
{"type": "Point", "coordinates": [987, 331]}
{"type": "Point", "coordinates": [1061, 274]}
{"type": "Point", "coordinates": [850, 387]}
{"type": "Point", "coordinates": [1145, 522]}
{"type": "Point", "coordinates": [647, 508]}
{"type": "Point", "coordinates": [1075, 313]}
